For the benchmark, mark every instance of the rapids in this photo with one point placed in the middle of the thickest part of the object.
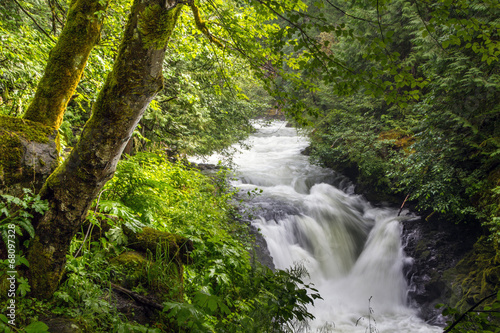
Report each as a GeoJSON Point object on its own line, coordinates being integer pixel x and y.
{"type": "Point", "coordinates": [310, 216]}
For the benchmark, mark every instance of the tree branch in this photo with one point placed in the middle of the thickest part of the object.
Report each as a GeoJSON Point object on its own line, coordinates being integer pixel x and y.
{"type": "Point", "coordinates": [347, 14]}
{"type": "Point", "coordinates": [136, 297]}
{"type": "Point", "coordinates": [202, 26]}
{"type": "Point", "coordinates": [401, 209]}
{"type": "Point", "coordinates": [34, 21]}
{"type": "Point", "coordinates": [455, 323]}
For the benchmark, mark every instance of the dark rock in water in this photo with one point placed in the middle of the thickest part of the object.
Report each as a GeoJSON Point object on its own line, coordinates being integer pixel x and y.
{"type": "Point", "coordinates": [436, 247]}
{"type": "Point", "coordinates": [306, 151]}
{"type": "Point", "coordinates": [289, 124]}
{"type": "Point", "coordinates": [274, 210]}
{"type": "Point", "coordinates": [261, 252]}
{"type": "Point", "coordinates": [206, 166]}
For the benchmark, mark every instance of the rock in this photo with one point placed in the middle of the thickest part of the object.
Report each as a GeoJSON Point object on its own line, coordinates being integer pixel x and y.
{"type": "Point", "coordinates": [306, 151]}
{"type": "Point", "coordinates": [176, 247]}
{"type": "Point", "coordinates": [28, 154]}
{"type": "Point", "coordinates": [260, 251]}
{"type": "Point", "coordinates": [62, 325]}
{"type": "Point", "coordinates": [139, 313]}
{"type": "Point", "coordinates": [436, 247]}
{"type": "Point", "coordinates": [206, 166]}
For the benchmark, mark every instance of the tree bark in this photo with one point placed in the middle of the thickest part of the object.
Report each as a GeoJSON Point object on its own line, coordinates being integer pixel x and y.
{"type": "Point", "coordinates": [66, 62]}
{"type": "Point", "coordinates": [134, 81]}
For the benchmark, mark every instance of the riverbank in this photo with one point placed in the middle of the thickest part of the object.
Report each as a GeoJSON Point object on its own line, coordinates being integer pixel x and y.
{"type": "Point", "coordinates": [453, 264]}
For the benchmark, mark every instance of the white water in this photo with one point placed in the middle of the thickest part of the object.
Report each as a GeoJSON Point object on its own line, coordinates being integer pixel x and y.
{"type": "Point", "coordinates": [351, 249]}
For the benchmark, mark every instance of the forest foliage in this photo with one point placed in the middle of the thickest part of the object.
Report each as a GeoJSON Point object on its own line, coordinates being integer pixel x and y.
{"type": "Point", "coordinates": [416, 110]}
{"type": "Point", "coordinates": [224, 290]}
{"type": "Point", "coordinates": [400, 95]}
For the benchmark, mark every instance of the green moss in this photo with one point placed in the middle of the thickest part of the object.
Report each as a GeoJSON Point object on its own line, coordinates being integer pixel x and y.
{"type": "Point", "coordinates": [156, 24]}
{"type": "Point", "coordinates": [150, 239]}
{"type": "Point", "coordinates": [10, 156]}
{"type": "Point", "coordinates": [129, 259]}
{"type": "Point", "coordinates": [475, 276]}
{"type": "Point", "coordinates": [47, 279]}
{"type": "Point", "coordinates": [66, 62]}
{"type": "Point", "coordinates": [29, 130]}
{"type": "Point", "coordinates": [162, 243]}
{"type": "Point", "coordinates": [12, 132]}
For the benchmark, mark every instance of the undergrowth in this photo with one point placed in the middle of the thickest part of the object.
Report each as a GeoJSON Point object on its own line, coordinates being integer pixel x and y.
{"type": "Point", "coordinates": [221, 290]}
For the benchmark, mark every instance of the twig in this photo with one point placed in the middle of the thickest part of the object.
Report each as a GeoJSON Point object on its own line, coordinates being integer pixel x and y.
{"type": "Point", "coordinates": [33, 19]}
{"type": "Point", "coordinates": [401, 209]}
{"type": "Point", "coordinates": [455, 323]}
{"type": "Point", "coordinates": [347, 14]}
{"type": "Point", "coordinates": [429, 216]}
{"type": "Point", "coordinates": [137, 297]}
{"type": "Point", "coordinates": [427, 27]}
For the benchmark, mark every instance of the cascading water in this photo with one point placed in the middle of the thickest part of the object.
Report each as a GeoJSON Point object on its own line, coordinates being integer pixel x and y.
{"type": "Point", "coordinates": [351, 249]}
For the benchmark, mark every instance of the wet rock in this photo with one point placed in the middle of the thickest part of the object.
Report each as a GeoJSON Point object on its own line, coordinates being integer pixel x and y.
{"type": "Point", "coordinates": [139, 313]}
{"type": "Point", "coordinates": [306, 151]}
{"type": "Point", "coordinates": [436, 247]}
{"type": "Point", "coordinates": [206, 166]}
{"type": "Point", "coordinates": [261, 252]}
{"type": "Point", "coordinates": [62, 325]}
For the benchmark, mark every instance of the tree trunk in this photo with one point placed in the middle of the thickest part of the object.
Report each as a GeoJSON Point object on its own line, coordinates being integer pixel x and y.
{"type": "Point", "coordinates": [134, 81]}
{"type": "Point", "coordinates": [66, 62]}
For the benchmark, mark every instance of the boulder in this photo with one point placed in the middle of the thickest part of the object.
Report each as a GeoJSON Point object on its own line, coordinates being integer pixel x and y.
{"type": "Point", "coordinates": [29, 153]}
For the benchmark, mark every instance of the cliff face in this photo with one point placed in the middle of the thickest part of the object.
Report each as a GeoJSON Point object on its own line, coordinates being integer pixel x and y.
{"type": "Point", "coordinates": [437, 248]}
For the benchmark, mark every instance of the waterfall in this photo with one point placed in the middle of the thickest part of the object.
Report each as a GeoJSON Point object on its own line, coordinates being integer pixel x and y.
{"type": "Point", "coordinates": [310, 216]}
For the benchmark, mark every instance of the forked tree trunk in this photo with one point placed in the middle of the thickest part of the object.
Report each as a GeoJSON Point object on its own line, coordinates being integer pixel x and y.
{"type": "Point", "coordinates": [134, 81]}
{"type": "Point", "coordinates": [66, 62]}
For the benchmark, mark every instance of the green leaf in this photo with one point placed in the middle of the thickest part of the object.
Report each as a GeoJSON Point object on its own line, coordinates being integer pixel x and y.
{"type": "Point", "coordinates": [4, 318]}
{"type": "Point", "coordinates": [23, 286]}
{"type": "Point", "coordinates": [36, 327]}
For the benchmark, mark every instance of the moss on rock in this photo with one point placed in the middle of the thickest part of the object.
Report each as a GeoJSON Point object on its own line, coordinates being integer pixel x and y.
{"type": "Point", "coordinates": [63, 325]}
{"type": "Point", "coordinates": [28, 153]}
{"type": "Point", "coordinates": [475, 276]}
{"type": "Point", "coordinates": [175, 247]}
{"type": "Point", "coordinates": [129, 259]}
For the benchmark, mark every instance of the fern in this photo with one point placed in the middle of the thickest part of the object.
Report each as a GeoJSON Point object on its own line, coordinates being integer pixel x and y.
{"type": "Point", "coordinates": [17, 212]}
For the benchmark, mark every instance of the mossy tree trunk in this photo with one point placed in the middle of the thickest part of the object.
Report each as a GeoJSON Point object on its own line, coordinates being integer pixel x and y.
{"type": "Point", "coordinates": [66, 62]}
{"type": "Point", "coordinates": [27, 159]}
{"type": "Point", "coordinates": [134, 81]}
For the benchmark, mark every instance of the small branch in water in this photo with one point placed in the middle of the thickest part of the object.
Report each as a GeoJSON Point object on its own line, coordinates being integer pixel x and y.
{"type": "Point", "coordinates": [401, 209]}
{"type": "Point", "coordinates": [430, 215]}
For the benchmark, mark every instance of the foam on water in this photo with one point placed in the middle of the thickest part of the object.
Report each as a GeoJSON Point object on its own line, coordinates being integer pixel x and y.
{"type": "Point", "coordinates": [351, 249]}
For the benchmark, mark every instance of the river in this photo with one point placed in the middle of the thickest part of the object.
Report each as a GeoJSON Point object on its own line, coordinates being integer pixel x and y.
{"type": "Point", "coordinates": [310, 216]}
